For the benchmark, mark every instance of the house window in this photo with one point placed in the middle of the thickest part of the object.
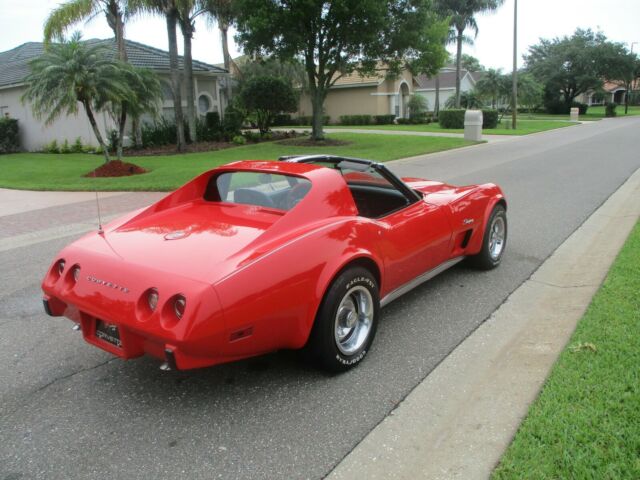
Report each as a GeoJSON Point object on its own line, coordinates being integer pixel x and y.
{"type": "Point", "coordinates": [204, 104]}
{"type": "Point", "coordinates": [167, 91]}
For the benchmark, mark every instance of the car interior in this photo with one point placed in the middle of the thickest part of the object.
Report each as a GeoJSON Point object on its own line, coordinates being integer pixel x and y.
{"type": "Point", "coordinates": [374, 195]}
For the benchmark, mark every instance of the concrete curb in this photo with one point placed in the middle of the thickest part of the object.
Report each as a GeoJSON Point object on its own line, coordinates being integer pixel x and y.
{"type": "Point", "coordinates": [458, 422]}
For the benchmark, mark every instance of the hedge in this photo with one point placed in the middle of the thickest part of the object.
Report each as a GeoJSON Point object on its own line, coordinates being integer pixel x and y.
{"type": "Point", "coordinates": [356, 119]}
{"type": "Point", "coordinates": [308, 120]}
{"type": "Point", "coordinates": [455, 118]}
{"type": "Point", "coordinates": [384, 119]}
{"type": "Point", "coordinates": [9, 138]}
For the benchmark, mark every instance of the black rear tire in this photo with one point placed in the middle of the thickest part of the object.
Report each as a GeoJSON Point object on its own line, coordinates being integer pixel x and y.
{"type": "Point", "coordinates": [346, 323]}
{"type": "Point", "coordinates": [494, 241]}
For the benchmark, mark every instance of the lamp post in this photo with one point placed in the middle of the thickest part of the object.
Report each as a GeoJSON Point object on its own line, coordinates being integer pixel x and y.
{"type": "Point", "coordinates": [514, 99]}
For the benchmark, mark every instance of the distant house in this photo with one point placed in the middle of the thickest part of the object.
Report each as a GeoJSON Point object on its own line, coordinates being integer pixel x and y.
{"type": "Point", "coordinates": [447, 79]}
{"type": "Point", "coordinates": [381, 94]}
{"type": "Point", "coordinates": [14, 67]}
{"type": "Point", "coordinates": [612, 92]}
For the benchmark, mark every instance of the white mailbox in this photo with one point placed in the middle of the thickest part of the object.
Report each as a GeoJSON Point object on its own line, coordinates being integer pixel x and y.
{"type": "Point", "coordinates": [473, 125]}
{"type": "Point", "coordinates": [575, 112]}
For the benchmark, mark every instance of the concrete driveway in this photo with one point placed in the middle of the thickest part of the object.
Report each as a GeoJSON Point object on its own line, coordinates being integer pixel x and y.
{"type": "Point", "coordinates": [68, 410]}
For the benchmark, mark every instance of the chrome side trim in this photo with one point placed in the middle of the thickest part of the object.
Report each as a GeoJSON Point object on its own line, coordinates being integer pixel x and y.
{"type": "Point", "coordinates": [411, 284]}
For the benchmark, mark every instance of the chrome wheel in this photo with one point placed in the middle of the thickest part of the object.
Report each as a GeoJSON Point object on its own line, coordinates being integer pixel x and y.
{"type": "Point", "coordinates": [354, 319]}
{"type": "Point", "coordinates": [497, 237]}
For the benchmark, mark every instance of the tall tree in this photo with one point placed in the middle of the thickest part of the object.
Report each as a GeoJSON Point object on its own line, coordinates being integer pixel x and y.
{"type": "Point", "coordinates": [491, 85]}
{"type": "Point", "coordinates": [72, 12]}
{"type": "Point", "coordinates": [462, 14]}
{"type": "Point", "coordinates": [188, 10]}
{"type": "Point", "coordinates": [73, 73]}
{"type": "Point", "coordinates": [471, 63]}
{"type": "Point", "coordinates": [334, 37]}
{"type": "Point", "coordinates": [223, 12]}
{"type": "Point", "coordinates": [570, 66]}
{"type": "Point", "coordinates": [169, 10]}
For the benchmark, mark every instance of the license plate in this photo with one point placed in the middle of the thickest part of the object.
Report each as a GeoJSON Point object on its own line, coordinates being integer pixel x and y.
{"type": "Point", "coordinates": [108, 332]}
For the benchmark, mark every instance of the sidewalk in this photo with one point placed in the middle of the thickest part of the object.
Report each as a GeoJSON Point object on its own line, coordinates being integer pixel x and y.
{"type": "Point", "coordinates": [458, 422]}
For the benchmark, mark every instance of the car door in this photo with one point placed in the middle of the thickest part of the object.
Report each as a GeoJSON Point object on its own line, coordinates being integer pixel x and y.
{"type": "Point", "coordinates": [413, 241]}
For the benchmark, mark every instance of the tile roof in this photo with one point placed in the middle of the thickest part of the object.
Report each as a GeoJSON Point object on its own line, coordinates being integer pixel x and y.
{"type": "Point", "coordinates": [14, 63]}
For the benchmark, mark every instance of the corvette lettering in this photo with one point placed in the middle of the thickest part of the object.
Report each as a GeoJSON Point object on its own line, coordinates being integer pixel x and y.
{"type": "Point", "coordinates": [105, 283]}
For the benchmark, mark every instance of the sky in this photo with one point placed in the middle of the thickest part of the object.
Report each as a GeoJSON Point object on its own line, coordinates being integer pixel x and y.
{"type": "Point", "coordinates": [21, 21]}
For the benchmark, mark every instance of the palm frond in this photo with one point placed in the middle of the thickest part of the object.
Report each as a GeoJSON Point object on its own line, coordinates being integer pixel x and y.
{"type": "Point", "coordinates": [68, 14]}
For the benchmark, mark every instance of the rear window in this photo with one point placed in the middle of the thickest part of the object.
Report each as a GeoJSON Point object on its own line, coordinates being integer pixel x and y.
{"type": "Point", "coordinates": [281, 192]}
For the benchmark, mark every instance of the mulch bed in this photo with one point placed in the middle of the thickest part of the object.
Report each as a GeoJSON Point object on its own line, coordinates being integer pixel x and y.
{"type": "Point", "coordinates": [308, 142]}
{"type": "Point", "coordinates": [171, 149]}
{"type": "Point", "coordinates": [116, 168]}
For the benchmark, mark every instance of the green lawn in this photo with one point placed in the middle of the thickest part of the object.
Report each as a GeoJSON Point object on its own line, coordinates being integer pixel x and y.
{"type": "Point", "coordinates": [593, 113]}
{"type": "Point", "coordinates": [33, 171]}
{"type": "Point", "coordinates": [586, 421]}
{"type": "Point", "coordinates": [525, 127]}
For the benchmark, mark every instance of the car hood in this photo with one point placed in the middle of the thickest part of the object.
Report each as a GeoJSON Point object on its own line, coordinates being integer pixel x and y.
{"type": "Point", "coordinates": [199, 240]}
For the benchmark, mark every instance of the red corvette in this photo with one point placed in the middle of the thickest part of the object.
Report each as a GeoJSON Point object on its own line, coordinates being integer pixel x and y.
{"type": "Point", "coordinates": [257, 256]}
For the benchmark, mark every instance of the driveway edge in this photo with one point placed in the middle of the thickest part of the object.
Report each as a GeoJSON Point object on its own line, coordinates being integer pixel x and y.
{"type": "Point", "coordinates": [458, 422]}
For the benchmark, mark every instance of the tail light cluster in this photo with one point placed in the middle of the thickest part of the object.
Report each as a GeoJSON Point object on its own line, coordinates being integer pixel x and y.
{"type": "Point", "coordinates": [171, 311]}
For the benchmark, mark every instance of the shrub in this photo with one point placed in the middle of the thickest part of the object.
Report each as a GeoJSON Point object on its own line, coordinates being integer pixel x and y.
{"type": "Point", "coordinates": [452, 118]}
{"type": "Point", "coordinates": [77, 146]}
{"type": "Point", "coordinates": [9, 135]}
{"type": "Point", "coordinates": [239, 140]}
{"type": "Point", "coordinates": [582, 107]}
{"type": "Point", "coordinates": [65, 148]}
{"type": "Point", "coordinates": [355, 119]}
{"type": "Point", "coordinates": [265, 96]}
{"type": "Point", "coordinates": [254, 137]}
{"type": "Point", "coordinates": [52, 147]}
{"type": "Point", "coordinates": [417, 105]}
{"type": "Point", "coordinates": [455, 118]}
{"type": "Point", "coordinates": [233, 121]}
{"type": "Point", "coordinates": [161, 132]}
{"type": "Point", "coordinates": [610, 110]}
{"type": "Point", "coordinates": [489, 118]}
{"type": "Point", "coordinates": [212, 121]}
{"type": "Point", "coordinates": [384, 119]}
{"type": "Point", "coordinates": [282, 119]}
{"type": "Point", "coordinates": [307, 120]}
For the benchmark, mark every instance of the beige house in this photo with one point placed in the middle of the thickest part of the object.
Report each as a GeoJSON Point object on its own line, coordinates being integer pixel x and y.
{"type": "Point", "coordinates": [355, 94]}
{"type": "Point", "coordinates": [612, 92]}
{"type": "Point", "coordinates": [34, 133]}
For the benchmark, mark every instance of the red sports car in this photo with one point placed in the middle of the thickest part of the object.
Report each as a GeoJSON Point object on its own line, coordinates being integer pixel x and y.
{"type": "Point", "coordinates": [257, 256]}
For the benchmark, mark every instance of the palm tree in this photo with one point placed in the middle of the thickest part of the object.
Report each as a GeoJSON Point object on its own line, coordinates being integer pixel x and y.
{"type": "Point", "coordinates": [492, 85]}
{"type": "Point", "coordinates": [168, 9]}
{"type": "Point", "coordinates": [73, 72]}
{"type": "Point", "coordinates": [222, 12]}
{"type": "Point", "coordinates": [72, 12]}
{"type": "Point", "coordinates": [188, 11]}
{"type": "Point", "coordinates": [462, 14]}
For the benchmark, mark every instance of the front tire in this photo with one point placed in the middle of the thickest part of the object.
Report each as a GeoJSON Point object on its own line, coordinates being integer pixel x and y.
{"type": "Point", "coordinates": [493, 242]}
{"type": "Point", "coordinates": [346, 322]}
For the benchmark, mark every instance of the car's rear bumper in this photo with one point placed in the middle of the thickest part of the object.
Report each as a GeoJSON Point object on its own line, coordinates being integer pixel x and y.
{"type": "Point", "coordinates": [134, 341]}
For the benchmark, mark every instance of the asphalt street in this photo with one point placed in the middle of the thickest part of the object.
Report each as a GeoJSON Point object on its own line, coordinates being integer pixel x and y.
{"type": "Point", "coordinates": [69, 410]}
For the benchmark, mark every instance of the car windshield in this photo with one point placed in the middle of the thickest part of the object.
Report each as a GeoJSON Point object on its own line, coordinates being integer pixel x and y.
{"type": "Point", "coordinates": [355, 173]}
{"type": "Point", "coordinates": [276, 191]}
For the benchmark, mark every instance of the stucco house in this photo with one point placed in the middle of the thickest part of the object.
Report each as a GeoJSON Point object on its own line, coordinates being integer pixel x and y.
{"type": "Point", "coordinates": [612, 92]}
{"type": "Point", "coordinates": [378, 94]}
{"type": "Point", "coordinates": [14, 67]}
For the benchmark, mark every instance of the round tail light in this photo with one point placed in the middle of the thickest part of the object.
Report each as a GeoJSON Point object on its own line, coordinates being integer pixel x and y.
{"type": "Point", "coordinates": [76, 274]}
{"type": "Point", "coordinates": [179, 306]}
{"type": "Point", "coordinates": [61, 267]}
{"type": "Point", "coordinates": [152, 299]}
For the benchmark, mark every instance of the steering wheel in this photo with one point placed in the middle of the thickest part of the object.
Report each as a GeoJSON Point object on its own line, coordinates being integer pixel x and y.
{"type": "Point", "coordinates": [296, 194]}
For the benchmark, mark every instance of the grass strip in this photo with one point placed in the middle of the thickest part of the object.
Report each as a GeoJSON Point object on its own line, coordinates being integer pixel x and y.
{"type": "Point", "coordinates": [586, 421]}
{"type": "Point", "coordinates": [36, 171]}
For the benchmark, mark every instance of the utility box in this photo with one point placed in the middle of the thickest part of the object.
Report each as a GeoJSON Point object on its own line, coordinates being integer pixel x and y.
{"type": "Point", "coordinates": [473, 125]}
{"type": "Point", "coordinates": [575, 113]}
